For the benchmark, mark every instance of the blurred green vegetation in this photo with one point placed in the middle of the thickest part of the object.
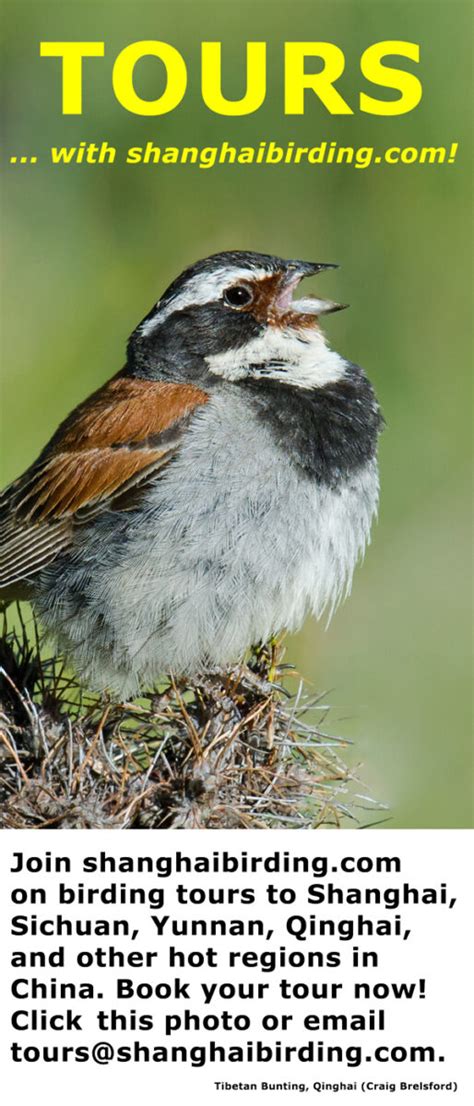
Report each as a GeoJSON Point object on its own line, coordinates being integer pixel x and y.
{"type": "Point", "coordinates": [86, 250]}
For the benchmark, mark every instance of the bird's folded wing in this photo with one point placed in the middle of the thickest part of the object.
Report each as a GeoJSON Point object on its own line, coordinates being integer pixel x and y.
{"type": "Point", "coordinates": [119, 438]}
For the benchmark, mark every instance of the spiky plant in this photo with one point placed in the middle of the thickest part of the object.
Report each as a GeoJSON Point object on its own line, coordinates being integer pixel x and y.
{"type": "Point", "coordinates": [231, 750]}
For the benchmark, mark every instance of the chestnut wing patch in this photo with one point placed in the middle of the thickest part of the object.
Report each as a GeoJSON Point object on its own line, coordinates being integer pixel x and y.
{"type": "Point", "coordinates": [120, 437]}
{"type": "Point", "coordinates": [85, 479]}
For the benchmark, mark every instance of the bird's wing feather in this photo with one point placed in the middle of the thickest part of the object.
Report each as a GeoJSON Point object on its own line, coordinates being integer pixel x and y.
{"type": "Point", "coordinates": [120, 437]}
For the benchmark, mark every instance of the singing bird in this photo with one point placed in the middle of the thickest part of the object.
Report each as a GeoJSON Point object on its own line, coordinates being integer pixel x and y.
{"type": "Point", "coordinates": [211, 494]}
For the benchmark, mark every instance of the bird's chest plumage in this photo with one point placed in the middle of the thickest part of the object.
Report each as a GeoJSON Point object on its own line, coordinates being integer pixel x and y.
{"type": "Point", "coordinates": [235, 542]}
{"type": "Point", "coordinates": [245, 531]}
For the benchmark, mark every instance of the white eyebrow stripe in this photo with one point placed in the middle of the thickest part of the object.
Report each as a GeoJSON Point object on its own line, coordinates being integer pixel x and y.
{"type": "Point", "coordinates": [201, 290]}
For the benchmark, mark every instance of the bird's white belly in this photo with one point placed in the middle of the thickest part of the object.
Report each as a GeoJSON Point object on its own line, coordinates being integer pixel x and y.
{"type": "Point", "coordinates": [237, 544]}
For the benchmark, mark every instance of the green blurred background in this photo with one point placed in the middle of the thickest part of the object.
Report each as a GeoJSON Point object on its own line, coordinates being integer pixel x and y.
{"type": "Point", "coordinates": [87, 250]}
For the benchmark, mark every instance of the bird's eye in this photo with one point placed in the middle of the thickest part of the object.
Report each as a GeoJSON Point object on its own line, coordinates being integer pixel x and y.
{"type": "Point", "coordinates": [238, 296]}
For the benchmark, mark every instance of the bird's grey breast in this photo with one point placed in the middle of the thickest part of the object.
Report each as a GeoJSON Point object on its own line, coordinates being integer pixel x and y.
{"type": "Point", "coordinates": [234, 507]}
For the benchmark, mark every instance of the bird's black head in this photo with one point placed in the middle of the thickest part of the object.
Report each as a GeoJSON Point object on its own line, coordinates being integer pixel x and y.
{"type": "Point", "coordinates": [219, 306]}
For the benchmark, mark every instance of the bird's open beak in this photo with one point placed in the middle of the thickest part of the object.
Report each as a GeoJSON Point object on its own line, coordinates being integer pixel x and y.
{"type": "Point", "coordinates": [309, 305]}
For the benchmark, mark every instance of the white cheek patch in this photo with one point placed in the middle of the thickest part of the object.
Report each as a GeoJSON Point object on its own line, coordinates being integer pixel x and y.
{"type": "Point", "coordinates": [200, 290]}
{"type": "Point", "coordinates": [282, 355]}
